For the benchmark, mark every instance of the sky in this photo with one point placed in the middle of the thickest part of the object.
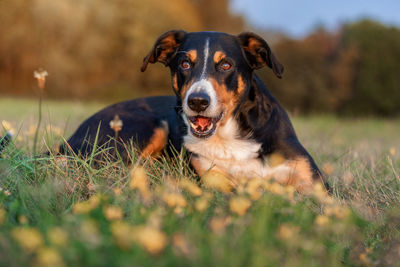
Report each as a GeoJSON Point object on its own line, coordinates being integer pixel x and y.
{"type": "Point", "coordinates": [298, 17]}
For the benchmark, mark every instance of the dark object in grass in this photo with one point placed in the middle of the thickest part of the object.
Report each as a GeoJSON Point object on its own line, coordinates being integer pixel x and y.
{"type": "Point", "coordinates": [4, 141]}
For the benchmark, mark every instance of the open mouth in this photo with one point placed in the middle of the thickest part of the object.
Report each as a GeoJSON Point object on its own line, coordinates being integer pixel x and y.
{"type": "Point", "coordinates": [203, 127]}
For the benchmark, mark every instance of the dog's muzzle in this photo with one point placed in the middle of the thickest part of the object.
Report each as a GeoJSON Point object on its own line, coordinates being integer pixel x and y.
{"type": "Point", "coordinates": [201, 110]}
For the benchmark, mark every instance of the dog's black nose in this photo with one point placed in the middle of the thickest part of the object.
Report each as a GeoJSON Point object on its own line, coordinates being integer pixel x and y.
{"type": "Point", "coordinates": [198, 101]}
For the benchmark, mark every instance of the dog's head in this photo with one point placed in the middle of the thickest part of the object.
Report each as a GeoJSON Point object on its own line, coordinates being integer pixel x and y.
{"type": "Point", "coordinates": [211, 72]}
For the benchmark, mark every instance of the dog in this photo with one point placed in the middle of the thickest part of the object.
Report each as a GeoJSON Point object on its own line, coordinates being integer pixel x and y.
{"type": "Point", "coordinates": [222, 113]}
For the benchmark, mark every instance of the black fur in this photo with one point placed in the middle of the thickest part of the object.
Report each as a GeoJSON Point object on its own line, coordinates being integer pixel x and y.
{"type": "Point", "coordinates": [270, 125]}
{"type": "Point", "coordinates": [140, 117]}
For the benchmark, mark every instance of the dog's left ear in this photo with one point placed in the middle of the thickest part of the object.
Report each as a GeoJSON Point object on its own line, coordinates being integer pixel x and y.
{"type": "Point", "coordinates": [258, 53]}
{"type": "Point", "coordinates": [164, 49]}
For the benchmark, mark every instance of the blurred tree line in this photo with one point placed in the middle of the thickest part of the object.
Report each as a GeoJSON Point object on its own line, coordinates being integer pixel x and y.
{"type": "Point", "coordinates": [93, 49]}
{"type": "Point", "coordinates": [355, 71]}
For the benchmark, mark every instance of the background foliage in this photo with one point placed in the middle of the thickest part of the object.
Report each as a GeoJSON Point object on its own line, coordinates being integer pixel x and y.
{"type": "Point", "coordinates": [93, 49]}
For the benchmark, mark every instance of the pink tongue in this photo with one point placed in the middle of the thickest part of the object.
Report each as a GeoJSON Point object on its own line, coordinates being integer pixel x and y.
{"type": "Point", "coordinates": [203, 122]}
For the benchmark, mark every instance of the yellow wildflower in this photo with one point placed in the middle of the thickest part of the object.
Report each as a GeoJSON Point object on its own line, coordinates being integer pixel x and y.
{"type": "Point", "coordinates": [202, 203]}
{"type": "Point", "coordinates": [290, 190]}
{"type": "Point", "coordinates": [81, 207]}
{"type": "Point", "coordinates": [254, 188]}
{"type": "Point", "coordinates": [22, 219]}
{"type": "Point", "coordinates": [122, 234]}
{"type": "Point", "coordinates": [58, 236]}
{"type": "Point", "coordinates": [218, 181]}
{"type": "Point", "coordinates": [322, 220]}
{"type": "Point", "coordinates": [48, 257]}
{"type": "Point", "coordinates": [153, 240]}
{"type": "Point", "coordinates": [287, 231]}
{"type": "Point", "coordinates": [174, 200]}
{"type": "Point", "coordinates": [239, 205]}
{"type": "Point", "coordinates": [29, 239]}
{"type": "Point", "coordinates": [87, 206]}
{"type": "Point", "coordinates": [7, 126]}
{"type": "Point", "coordinates": [328, 168]}
{"type": "Point", "coordinates": [338, 211]}
{"type": "Point", "coordinates": [94, 200]}
{"type": "Point", "coordinates": [364, 259]}
{"type": "Point", "coordinates": [138, 178]}
{"type": "Point", "coordinates": [178, 211]}
{"type": "Point", "coordinates": [139, 181]}
{"type": "Point", "coordinates": [275, 188]}
{"type": "Point", "coordinates": [275, 159]}
{"type": "Point", "coordinates": [392, 151]}
{"type": "Point", "coordinates": [113, 212]}
{"type": "Point", "coordinates": [181, 245]}
{"type": "Point", "coordinates": [155, 219]}
{"type": "Point", "coordinates": [191, 187]}
{"type": "Point", "coordinates": [117, 191]}
{"type": "Point", "coordinates": [218, 224]}
{"type": "Point", "coordinates": [321, 194]}
{"type": "Point", "coordinates": [90, 232]}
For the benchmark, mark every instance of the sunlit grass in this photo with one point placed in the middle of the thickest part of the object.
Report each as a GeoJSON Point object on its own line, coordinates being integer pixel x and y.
{"type": "Point", "coordinates": [159, 213]}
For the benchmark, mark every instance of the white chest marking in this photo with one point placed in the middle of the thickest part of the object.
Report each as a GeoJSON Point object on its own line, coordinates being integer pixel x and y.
{"type": "Point", "coordinates": [233, 155]}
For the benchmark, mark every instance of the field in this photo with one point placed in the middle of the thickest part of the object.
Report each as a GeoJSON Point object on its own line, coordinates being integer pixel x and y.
{"type": "Point", "coordinates": [57, 212]}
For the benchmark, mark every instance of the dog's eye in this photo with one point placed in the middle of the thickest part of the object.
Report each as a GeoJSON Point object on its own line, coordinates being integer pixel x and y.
{"type": "Point", "coordinates": [225, 66]}
{"type": "Point", "coordinates": [186, 65]}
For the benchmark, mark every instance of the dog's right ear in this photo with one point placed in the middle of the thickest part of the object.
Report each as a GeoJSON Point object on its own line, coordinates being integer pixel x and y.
{"type": "Point", "coordinates": [164, 49]}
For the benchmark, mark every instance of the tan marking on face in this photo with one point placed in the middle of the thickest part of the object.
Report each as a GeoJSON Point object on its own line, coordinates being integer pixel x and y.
{"type": "Point", "coordinates": [157, 142]}
{"type": "Point", "coordinates": [228, 99]}
{"type": "Point", "coordinates": [241, 85]}
{"type": "Point", "coordinates": [192, 55]}
{"type": "Point", "coordinates": [218, 56]}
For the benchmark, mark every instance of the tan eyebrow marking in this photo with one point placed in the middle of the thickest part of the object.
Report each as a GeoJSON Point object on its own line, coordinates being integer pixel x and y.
{"type": "Point", "coordinates": [218, 56]}
{"type": "Point", "coordinates": [192, 54]}
{"type": "Point", "coordinates": [241, 84]}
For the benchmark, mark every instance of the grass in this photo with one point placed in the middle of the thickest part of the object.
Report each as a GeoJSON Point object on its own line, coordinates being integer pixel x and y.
{"type": "Point", "coordinates": [156, 213]}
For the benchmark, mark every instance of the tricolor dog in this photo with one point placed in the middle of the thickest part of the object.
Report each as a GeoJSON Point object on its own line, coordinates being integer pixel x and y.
{"type": "Point", "coordinates": [222, 113]}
